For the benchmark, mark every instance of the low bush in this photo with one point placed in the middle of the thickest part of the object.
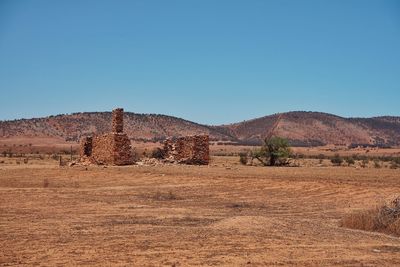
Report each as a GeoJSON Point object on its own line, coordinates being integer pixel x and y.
{"type": "Point", "coordinates": [243, 158]}
{"type": "Point", "coordinates": [364, 163]}
{"type": "Point", "coordinates": [157, 153]}
{"type": "Point", "coordinates": [337, 160]}
{"type": "Point", "coordinates": [394, 165]}
{"type": "Point", "coordinates": [377, 164]}
{"type": "Point", "coordinates": [350, 161]}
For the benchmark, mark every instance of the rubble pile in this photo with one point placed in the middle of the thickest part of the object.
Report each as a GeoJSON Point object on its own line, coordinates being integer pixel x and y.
{"type": "Point", "coordinates": [192, 150]}
{"type": "Point", "coordinates": [150, 162]}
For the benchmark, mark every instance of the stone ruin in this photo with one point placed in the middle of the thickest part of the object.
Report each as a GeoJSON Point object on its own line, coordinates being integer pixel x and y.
{"type": "Point", "coordinates": [112, 148]}
{"type": "Point", "coordinates": [192, 150]}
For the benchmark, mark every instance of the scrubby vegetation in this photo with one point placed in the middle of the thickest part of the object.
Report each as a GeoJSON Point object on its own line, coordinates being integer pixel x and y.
{"type": "Point", "coordinates": [157, 153]}
{"type": "Point", "coordinates": [384, 218]}
{"type": "Point", "coordinates": [274, 152]}
{"type": "Point", "coordinates": [337, 160]}
{"type": "Point", "coordinates": [350, 161]}
{"type": "Point", "coordinates": [363, 161]}
{"type": "Point", "coordinates": [243, 158]}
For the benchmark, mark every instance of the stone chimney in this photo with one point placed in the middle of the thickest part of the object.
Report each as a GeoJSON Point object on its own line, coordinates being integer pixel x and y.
{"type": "Point", "coordinates": [118, 120]}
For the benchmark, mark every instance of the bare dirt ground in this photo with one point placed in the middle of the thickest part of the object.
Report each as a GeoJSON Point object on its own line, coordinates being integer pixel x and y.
{"type": "Point", "coordinates": [223, 214]}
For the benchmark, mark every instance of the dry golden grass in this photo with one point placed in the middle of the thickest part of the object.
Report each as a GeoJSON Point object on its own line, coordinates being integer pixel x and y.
{"type": "Point", "coordinates": [383, 218]}
{"type": "Point", "coordinates": [224, 214]}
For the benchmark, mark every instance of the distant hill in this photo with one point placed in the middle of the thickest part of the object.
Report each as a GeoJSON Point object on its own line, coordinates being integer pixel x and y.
{"type": "Point", "coordinates": [315, 128]}
{"type": "Point", "coordinates": [301, 128]}
{"type": "Point", "coordinates": [137, 126]}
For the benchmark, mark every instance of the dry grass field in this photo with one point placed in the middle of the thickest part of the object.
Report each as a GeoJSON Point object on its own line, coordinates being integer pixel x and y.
{"type": "Point", "coordinates": [224, 214]}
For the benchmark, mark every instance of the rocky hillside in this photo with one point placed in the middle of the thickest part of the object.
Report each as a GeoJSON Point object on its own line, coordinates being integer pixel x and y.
{"type": "Point", "coordinates": [301, 128]}
{"type": "Point", "coordinates": [137, 126]}
{"type": "Point", "coordinates": [315, 128]}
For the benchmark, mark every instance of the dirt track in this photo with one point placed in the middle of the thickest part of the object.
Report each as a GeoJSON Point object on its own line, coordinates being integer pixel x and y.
{"type": "Point", "coordinates": [186, 215]}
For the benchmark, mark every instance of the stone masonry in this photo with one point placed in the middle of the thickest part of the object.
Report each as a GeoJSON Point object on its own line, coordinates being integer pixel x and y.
{"type": "Point", "coordinates": [112, 148]}
{"type": "Point", "coordinates": [118, 120]}
{"type": "Point", "coordinates": [188, 150]}
{"type": "Point", "coordinates": [85, 146]}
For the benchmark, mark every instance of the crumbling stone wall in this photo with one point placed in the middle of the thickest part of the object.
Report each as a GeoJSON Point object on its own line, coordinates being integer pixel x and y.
{"type": "Point", "coordinates": [103, 149]}
{"type": "Point", "coordinates": [189, 149]}
{"type": "Point", "coordinates": [118, 120]}
{"type": "Point", "coordinates": [122, 149]}
{"type": "Point", "coordinates": [112, 148]}
{"type": "Point", "coordinates": [85, 146]}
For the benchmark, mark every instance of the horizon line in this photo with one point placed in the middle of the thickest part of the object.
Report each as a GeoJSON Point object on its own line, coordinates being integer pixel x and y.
{"type": "Point", "coordinates": [205, 124]}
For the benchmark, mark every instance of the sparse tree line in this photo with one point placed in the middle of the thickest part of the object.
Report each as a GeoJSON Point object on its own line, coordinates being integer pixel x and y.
{"type": "Point", "coordinates": [276, 152]}
{"type": "Point", "coordinates": [337, 160]}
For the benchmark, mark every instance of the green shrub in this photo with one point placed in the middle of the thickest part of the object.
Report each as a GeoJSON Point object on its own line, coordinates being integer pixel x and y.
{"type": "Point", "coordinates": [274, 152]}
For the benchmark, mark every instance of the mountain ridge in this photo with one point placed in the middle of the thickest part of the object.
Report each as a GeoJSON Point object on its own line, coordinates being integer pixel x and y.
{"type": "Point", "coordinates": [302, 128]}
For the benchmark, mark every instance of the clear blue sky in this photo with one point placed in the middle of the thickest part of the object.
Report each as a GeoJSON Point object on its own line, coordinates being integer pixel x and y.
{"type": "Point", "coordinates": [210, 61]}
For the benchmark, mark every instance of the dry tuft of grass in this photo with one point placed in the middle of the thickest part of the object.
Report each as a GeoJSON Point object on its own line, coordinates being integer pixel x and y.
{"type": "Point", "coordinates": [384, 218]}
